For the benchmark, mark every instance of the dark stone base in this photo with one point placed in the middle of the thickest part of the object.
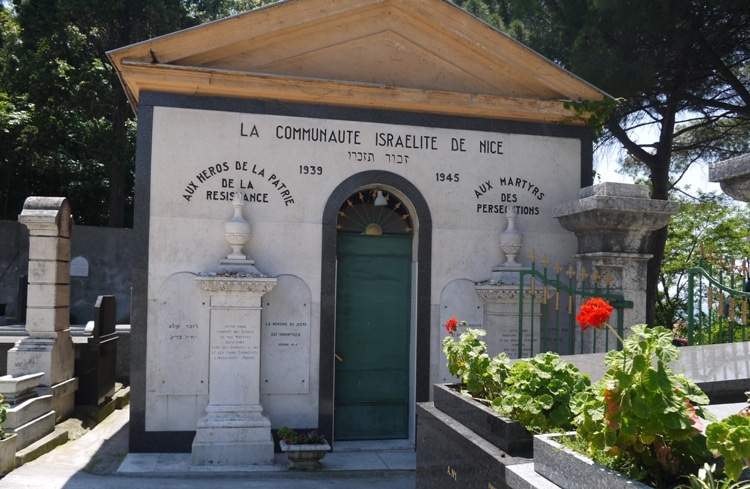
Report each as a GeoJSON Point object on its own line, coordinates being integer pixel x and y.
{"type": "Point", "coordinates": [504, 433]}
{"type": "Point", "coordinates": [450, 456]}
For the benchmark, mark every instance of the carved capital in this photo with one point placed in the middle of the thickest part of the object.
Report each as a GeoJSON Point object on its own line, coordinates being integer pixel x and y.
{"type": "Point", "coordinates": [236, 284]}
{"type": "Point", "coordinates": [505, 293]}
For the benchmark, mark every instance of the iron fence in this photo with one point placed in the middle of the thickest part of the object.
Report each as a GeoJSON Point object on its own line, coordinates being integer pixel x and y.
{"type": "Point", "coordinates": [563, 290]}
{"type": "Point", "coordinates": [717, 301]}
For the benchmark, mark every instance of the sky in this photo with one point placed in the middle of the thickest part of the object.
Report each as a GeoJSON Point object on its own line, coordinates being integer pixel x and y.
{"type": "Point", "coordinates": [607, 162]}
{"type": "Point", "coordinates": [607, 165]}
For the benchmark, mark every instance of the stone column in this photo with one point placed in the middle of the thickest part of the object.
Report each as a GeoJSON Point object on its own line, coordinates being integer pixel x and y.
{"type": "Point", "coordinates": [612, 222]}
{"type": "Point", "coordinates": [49, 346]}
{"type": "Point", "coordinates": [234, 430]}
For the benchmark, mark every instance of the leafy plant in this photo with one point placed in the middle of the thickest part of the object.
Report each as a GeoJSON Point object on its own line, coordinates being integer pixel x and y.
{"type": "Point", "coordinates": [730, 438]}
{"type": "Point", "coordinates": [291, 437]}
{"type": "Point", "coordinates": [705, 480]}
{"type": "Point", "coordinates": [482, 377]}
{"type": "Point", "coordinates": [538, 393]}
{"type": "Point", "coordinates": [4, 406]}
{"type": "Point", "coordinates": [641, 413]}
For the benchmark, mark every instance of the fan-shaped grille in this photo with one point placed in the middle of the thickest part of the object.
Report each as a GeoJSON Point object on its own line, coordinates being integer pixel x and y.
{"type": "Point", "coordinates": [359, 214]}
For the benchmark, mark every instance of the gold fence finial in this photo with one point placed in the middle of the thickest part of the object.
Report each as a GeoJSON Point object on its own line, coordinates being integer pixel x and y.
{"type": "Point", "coordinates": [583, 275]}
{"type": "Point", "coordinates": [609, 278]}
{"type": "Point", "coordinates": [595, 276]}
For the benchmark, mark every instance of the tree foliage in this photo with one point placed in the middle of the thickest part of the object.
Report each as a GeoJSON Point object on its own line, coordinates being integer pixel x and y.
{"type": "Point", "coordinates": [65, 125]}
{"type": "Point", "coordinates": [681, 67]}
{"type": "Point", "coordinates": [712, 224]}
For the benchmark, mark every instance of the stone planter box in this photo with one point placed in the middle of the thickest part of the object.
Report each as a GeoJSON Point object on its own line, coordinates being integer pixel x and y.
{"type": "Point", "coordinates": [304, 457]}
{"type": "Point", "coordinates": [451, 456]}
{"type": "Point", "coordinates": [504, 433]}
{"type": "Point", "coordinates": [8, 454]}
{"type": "Point", "coordinates": [572, 470]}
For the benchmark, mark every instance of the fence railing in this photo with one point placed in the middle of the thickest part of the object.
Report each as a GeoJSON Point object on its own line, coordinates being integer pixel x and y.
{"type": "Point", "coordinates": [717, 301]}
{"type": "Point", "coordinates": [562, 292]}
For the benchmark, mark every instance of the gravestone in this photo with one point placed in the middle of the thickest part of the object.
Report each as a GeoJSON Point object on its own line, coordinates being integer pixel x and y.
{"type": "Point", "coordinates": [96, 360]}
{"type": "Point", "coordinates": [79, 267]}
{"type": "Point", "coordinates": [48, 348]}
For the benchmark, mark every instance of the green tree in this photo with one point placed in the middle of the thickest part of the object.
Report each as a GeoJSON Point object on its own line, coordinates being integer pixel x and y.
{"type": "Point", "coordinates": [208, 10]}
{"type": "Point", "coordinates": [680, 67]}
{"type": "Point", "coordinates": [65, 124]}
{"type": "Point", "coordinates": [714, 224]}
{"type": "Point", "coordinates": [75, 139]}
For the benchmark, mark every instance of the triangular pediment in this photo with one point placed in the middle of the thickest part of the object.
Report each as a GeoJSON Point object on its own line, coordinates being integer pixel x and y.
{"type": "Point", "coordinates": [425, 55]}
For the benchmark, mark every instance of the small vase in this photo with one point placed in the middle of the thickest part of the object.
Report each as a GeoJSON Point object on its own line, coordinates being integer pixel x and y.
{"type": "Point", "coordinates": [237, 229]}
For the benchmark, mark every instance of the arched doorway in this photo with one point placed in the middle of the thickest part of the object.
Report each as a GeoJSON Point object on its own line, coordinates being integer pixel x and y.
{"type": "Point", "coordinates": [373, 317]}
{"type": "Point", "coordinates": [419, 344]}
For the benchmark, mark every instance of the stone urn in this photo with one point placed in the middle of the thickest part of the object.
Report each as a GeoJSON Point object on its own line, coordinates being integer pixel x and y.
{"type": "Point", "coordinates": [511, 241]}
{"type": "Point", "coordinates": [304, 456]}
{"type": "Point", "coordinates": [237, 229]}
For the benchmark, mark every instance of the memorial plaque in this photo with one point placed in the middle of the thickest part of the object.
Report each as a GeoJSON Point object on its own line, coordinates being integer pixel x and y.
{"type": "Point", "coordinates": [235, 346]}
{"type": "Point", "coordinates": [182, 338]}
{"type": "Point", "coordinates": [285, 361]}
{"type": "Point", "coordinates": [501, 322]}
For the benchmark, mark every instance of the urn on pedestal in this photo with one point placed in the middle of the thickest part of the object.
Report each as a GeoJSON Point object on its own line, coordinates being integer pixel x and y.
{"type": "Point", "coordinates": [511, 241]}
{"type": "Point", "coordinates": [237, 229]}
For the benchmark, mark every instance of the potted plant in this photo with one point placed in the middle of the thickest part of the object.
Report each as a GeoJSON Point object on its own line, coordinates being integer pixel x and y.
{"type": "Point", "coordinates": [304, 450]}
{"type": "Point", "coordinates": [482, 379]}
{"type": "Point", "coordinates": [538, 393]}
{"type": "Point", "coordinates": [641, 419]}
{"type": "Point", "coordinates": [531, 396]}
{"type": "Point", "coordinates": [7, 442]}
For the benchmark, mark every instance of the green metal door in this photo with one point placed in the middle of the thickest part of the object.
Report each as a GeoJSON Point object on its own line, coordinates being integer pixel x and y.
{"type": "Point", "coordinates": [373, 311]}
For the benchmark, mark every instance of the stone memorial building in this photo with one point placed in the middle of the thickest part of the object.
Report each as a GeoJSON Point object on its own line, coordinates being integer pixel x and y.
{"type": "Point", "coordinates": [320, 184]}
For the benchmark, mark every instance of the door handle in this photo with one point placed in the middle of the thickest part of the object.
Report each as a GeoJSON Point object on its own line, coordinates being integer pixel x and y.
{"type": "Point", "coordinates": [338, 357]}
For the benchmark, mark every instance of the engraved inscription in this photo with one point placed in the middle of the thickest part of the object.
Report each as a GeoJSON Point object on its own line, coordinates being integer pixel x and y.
{"type": "Point", "coordinates": [235, 342]}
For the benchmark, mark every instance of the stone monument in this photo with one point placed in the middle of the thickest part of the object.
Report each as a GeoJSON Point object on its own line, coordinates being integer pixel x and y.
{"type": "Point", "coordinates": [48, 348]}
{"type": "Point", "coordinates": [234, 429]}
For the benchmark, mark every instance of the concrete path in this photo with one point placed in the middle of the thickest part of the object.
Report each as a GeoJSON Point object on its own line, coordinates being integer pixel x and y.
{"type": "Point", "coordinates": [99, 459]}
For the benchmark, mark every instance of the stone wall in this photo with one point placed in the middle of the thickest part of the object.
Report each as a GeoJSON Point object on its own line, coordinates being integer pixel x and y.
{"type": "Point", "coordinates": [101, 265]}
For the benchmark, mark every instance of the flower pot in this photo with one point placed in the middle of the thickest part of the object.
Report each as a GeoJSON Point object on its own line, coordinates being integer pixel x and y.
{"type": "Point", "coordinates": [304, 457]}
{"type": "Point", "coordinates": [572, 470]}
{"type": "Point", "coordinates": [504, 433]}
{"type": "Point", "coordinates": [8, 454]}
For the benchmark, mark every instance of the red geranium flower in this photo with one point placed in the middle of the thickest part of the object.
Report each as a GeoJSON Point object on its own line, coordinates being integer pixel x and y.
{"type": "Point", "coordinates": [451, 325]}
{"type": "Point", "coordinates": [594, 313]}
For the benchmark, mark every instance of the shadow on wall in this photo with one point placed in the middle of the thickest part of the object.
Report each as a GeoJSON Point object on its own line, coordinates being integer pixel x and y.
{"type": "Point", "coordinates": [101, 264]}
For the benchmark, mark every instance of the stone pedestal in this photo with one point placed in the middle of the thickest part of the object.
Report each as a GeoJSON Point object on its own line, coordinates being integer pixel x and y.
{"type": "Point", "coordinates": [234, 430]}
{"type": "Point", "coordinates": [49, 346]}
{"type": "Point", "coordinates": [501, 319]}
{"type": "Point", "coordinates": [30, 415]}
{"type": "Point", "coordinates": [612, 222]}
